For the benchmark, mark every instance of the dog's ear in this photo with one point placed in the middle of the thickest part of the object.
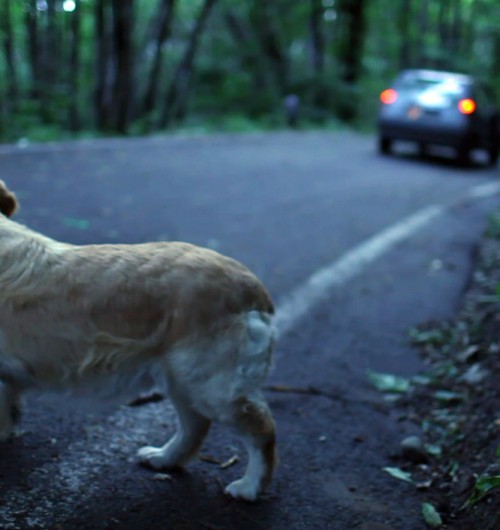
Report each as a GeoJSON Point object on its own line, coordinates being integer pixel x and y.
{"type": "Point", "coordinates": [8, 201]}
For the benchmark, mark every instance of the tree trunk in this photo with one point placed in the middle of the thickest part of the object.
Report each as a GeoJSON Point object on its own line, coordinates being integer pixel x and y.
{"type": "Point", "coordinates": [33, 48]}
{"type": "Point", "coordinates": [455, 30]}
{"type": "Point", "coordinates": [178, 92]}
{"type": "Point", "coordinates": [495, 63]}
{"type": "Point", "coordinates": [444, 33]}
{"type": "Point", "coordinates": [317, 37]}
{"type": "Point", "coordinates": [270, 45]}
{"type": "Point", "coordinates": [123, 96]}
{"type": "Point", "coordinates": [317, 47]}
{"type": "Point", "coordinates": [105, 70]}
{"type": "Point", "coordinates": [51, 51]}
{"type": "Point", "coordinates": [404, 23]}
{"type": "Point", "coordinates": [249, 54]}
{"type": "Point", "coordinates": [165, 17]}
{"type": "Point", "coordinates": [101, 55]}
{"type": "Point", "coordinates": [468, 28]}
{"type": "Point", "coordinates": [352, 14]}
{"type": "Point", "coordinates": [353, 11]}
{"type": "Point", "coordinates": [74, 68]}
{"type": "Point", "coordinates": [49, 62]}
{"type": "Point", "coordinates": [422, 31]}
{"type": "Point", "coordinates": [11, 91]}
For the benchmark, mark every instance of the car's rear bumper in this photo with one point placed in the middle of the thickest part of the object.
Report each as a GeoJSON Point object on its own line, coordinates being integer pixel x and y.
{"type": "Point", "coordinates": [423, 133]}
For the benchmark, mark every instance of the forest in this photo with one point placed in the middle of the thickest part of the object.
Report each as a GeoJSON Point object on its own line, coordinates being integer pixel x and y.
{"type": "Point", "coordinates": [71, 68]}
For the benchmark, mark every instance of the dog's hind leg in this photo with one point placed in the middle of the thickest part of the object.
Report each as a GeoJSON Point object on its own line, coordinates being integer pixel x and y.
{"type": "Point", "coordinates": [191, 431]}
{"type": "Point", "coordinates": [252, 420]}
{"type": "Point", "coordinates": [9, 409]}
{"type": "Point", "coordinates": [234, 399]}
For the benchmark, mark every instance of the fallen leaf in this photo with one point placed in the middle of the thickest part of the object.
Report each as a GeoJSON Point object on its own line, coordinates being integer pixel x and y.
{"type": "Point", "coordinates": [469, 352]}
{"type": "Point", "coordinates": [399, 474]}
{"type": "Point", "coordinates": [433, 449]}
{"type": "Point", "coordinates": [431, 516]}
{"type": "Point", "coordinates": [424, 485]}
{"type": "Point", "coordinates": [389, 382]}
{"type": "Point", "coordinates": [446, 396]}
{"type": "Point", "coordinates": [162, 476]}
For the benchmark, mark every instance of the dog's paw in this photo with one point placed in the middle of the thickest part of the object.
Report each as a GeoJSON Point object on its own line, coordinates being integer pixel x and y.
{"type": "Point", "coordinates": [243, 489]}
{"type": "Point", "coordinates": [155, 457]}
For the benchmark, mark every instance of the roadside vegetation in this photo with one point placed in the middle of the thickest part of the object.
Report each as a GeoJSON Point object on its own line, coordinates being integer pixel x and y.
{"type": "Point", "coordinates": [97, 67]}
{"type": "Point", "coordinates": [454, 461]}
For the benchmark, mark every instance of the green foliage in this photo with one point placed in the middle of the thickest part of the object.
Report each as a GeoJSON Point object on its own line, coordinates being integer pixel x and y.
{"type": "Point", "coordinates": [485, 484]}
{"type": "Point", "coordinates": [251, 55]}
{"type": "Point", "coordinates": [430, 337]}
{"type": "Point", "coordinates": [493, 229]}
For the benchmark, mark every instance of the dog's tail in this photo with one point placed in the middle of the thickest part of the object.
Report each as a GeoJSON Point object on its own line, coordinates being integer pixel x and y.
{"type": "Point", "coordinates": [232, 363]}
{"type": "Point", "coordinates": [254, 359]}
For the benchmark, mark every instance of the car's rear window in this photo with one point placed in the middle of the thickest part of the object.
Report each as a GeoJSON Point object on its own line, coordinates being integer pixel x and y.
{"type": "Point", "coordinates": [445, 87]}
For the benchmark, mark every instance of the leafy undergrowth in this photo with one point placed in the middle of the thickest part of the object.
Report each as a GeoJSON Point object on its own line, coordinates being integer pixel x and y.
{"type": "Point", "coordinates": [455, 462]}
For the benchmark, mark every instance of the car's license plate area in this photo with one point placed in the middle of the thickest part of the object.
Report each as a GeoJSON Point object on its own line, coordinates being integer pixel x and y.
{"type": "Point", "coordinates": [414, 112]}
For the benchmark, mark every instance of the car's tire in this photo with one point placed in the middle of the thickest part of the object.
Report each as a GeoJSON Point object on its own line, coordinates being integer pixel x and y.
{"type": "Point", "coordinates": [423, 150]}
{"type": "Point", "coordinates": [384, 145]}
{"type": "Point", "coordinates": [462, 156]}
{"type": "Point", "coordinates": [493, 153]}
{"type": "Point", "coordinates": [494, 141]}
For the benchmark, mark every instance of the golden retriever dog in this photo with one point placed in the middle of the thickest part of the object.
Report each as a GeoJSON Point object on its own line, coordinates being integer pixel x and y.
{"type": "Point", "coordinates": [118, 317]}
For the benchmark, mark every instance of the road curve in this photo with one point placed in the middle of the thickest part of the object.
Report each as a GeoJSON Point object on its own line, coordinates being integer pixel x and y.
{"type": "Point", "coordinates": [355, 249]}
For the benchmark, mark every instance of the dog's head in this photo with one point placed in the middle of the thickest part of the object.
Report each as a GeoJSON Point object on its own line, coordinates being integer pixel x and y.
{"type": "Point", "coordinates": [8, 201]}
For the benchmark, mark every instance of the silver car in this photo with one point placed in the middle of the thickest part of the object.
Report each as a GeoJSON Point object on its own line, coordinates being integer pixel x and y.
{"type": "Point", "coordinates": [433, 107]}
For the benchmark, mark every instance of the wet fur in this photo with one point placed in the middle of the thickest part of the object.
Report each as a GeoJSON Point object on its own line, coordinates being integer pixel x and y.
{"type": "Point", "coordinates": [118, 318]}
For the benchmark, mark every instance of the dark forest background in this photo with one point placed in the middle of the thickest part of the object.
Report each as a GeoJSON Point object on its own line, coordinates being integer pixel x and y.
{"type": "Point", "coordinates": [77, 67]}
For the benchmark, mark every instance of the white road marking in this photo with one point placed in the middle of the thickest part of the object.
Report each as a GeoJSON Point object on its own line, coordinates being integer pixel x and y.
{"type": "Point", "coordinates": [320, 284]}
{"type": "Point", "coordinates": [483, 191]}
{"type": "Point", "coordinates": [57, 488]}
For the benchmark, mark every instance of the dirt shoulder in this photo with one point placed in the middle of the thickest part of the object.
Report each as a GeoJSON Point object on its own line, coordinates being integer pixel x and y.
{"type": "Point", "coordinates": [455, 460]}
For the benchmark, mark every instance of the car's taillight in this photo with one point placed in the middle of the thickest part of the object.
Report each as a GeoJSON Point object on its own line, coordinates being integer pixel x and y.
{"type": "Point", "coordinates": [467, 106]}
{"type": "Point", "coordinates": [388, 96]}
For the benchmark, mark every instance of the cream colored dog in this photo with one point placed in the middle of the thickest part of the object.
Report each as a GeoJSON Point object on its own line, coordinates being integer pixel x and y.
{"type": "Point", "coordinates": [117, 317]}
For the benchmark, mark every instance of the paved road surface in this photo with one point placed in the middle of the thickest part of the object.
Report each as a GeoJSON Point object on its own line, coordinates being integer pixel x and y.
{"type": "Point", "coordinates": [330, 227]}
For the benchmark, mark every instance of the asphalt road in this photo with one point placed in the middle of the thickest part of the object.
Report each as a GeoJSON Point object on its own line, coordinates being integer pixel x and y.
{"type": "Point", "coordinates": [312, 214]}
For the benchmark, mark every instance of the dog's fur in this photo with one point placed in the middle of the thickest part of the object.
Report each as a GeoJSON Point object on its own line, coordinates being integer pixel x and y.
{"type": "Point", "coordinates": [115, 317]}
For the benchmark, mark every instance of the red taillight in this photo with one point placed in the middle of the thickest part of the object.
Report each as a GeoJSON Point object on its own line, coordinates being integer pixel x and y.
{"type": "Point", "coordinates": [388, 96]}
{"type": "Point", "coordinates": [467, 106]}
